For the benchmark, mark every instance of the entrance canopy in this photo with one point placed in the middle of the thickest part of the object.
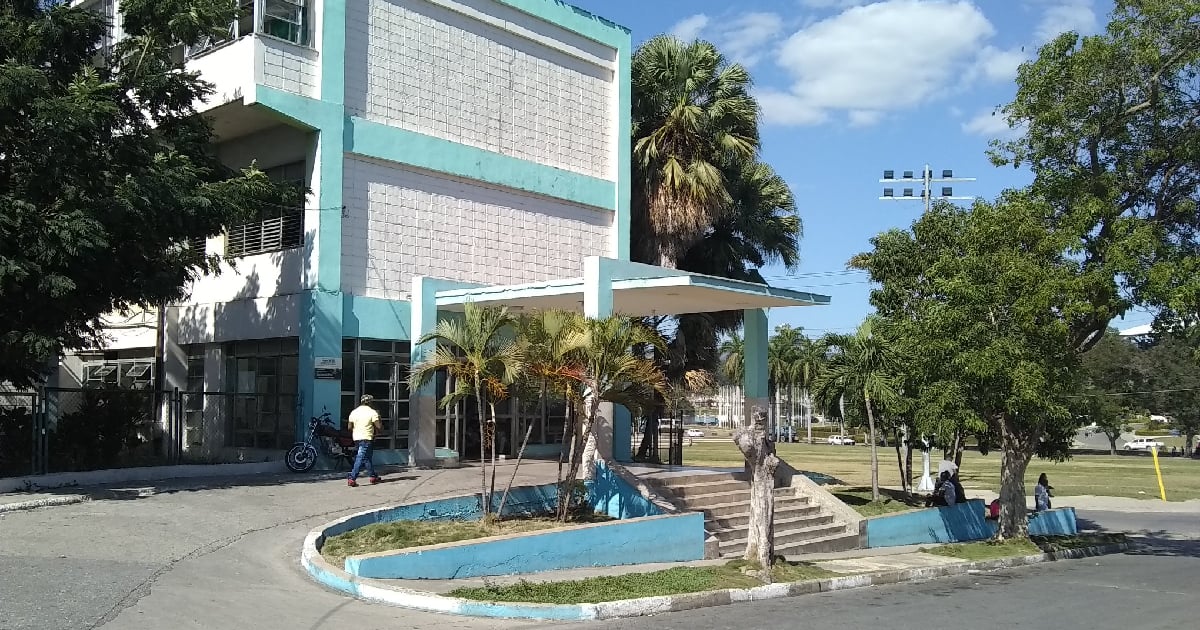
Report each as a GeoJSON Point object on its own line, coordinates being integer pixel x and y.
{"type": "Point", "coordinates": [634, 289]}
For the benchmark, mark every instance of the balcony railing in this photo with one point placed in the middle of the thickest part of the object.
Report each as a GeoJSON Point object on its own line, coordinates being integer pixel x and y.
{"type": "Point", "coordinates": [283, 19]}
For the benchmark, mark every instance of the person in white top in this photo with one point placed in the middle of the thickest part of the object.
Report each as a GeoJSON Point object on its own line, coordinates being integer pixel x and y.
{"type": "Point", "coordinates": [364, 422]}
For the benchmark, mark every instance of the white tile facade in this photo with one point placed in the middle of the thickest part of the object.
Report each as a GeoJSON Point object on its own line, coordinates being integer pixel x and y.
{"type": "Point", "coordinates": [288, 67]}
{"type": "Point", "coordinates": [417, 65]}
{"type": "Point", "coordinates": [401, 222]}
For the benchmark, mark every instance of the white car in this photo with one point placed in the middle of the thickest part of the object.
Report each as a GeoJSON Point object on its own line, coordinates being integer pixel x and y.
{"type": "Point", "coordinates": [694, 433]}
{"type": "Point", "coordinates": [844, 440]}
{"type": "Point", "coordinates": [1142, 444]}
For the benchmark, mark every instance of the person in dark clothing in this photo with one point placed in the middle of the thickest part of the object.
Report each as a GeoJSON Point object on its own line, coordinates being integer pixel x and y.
{"type": "Point", "coordinates": [959, 492]}
{"type": "Point", "coordinates": [944, 492]}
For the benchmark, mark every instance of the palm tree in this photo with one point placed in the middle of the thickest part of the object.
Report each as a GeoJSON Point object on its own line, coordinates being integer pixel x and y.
{"type": "Point", "coordinates": [782, 354]}
{"type": "Point", "coordinates": [732, 368]}
{"type": "Point", "coordinates": [549, 345]}
{"type": "Point", "coordinates": [810, 360]}
{"type": "Point", "coordinates": [480, 353]}
{"type": "Point", "coordinates": [693, 117]}
{"type": "Point", "coordinates": [861, 368]}
{"type": "Point", "coordinates": [612, 369]}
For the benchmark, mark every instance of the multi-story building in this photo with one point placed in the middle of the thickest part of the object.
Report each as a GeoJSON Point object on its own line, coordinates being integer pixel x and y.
{"type": "Point", "coordinates": [475, 142]}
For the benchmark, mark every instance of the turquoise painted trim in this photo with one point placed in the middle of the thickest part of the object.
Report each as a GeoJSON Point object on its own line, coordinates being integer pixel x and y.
{"type": "Point", "coordinates": [308, 112]}
{"type": "Point", "coordinates": [322, 337]}
{"type": "Point", "coordinates": [624, 148]}
{"type": "Point", "coordinates": [374, 318]}
{"type": "Point", "coordinates": [597, 288]}
{"type": "Point", "coordinates": [1057, 522]}
{"type": "Point", "coordinates": [574, 19]}
{"type": "Point", "coordinates": [383, 142]}
{"type": "Point", "coordinates": [754, 339]}
{"type": "Point", "coordinates": [333, 52]}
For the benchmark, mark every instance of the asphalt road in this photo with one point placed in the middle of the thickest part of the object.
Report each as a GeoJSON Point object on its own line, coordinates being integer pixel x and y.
{"type": "Point", "coordinates": [1153, 586]}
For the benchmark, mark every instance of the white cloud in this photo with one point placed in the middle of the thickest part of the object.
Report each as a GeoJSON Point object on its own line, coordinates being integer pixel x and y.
{"type": "Point", "coordinates": [863, 117]}
{"type": "Point", "coordinates": [990, 124]}
{"type": "Point", "coordinates": [956, 112]}
{"type": "Point", "coordinates": [746, 38]}
{"type": "Point", "coordinates": [689, 28]}
{"type": "Point", "coordinates": [995, 64]}
{"type": "Point", "coordinates": [1066, 15]}
{"type": "Point", "coordinates": [831, 4]}
{"type": "Point", "coordinates": [876, 58]}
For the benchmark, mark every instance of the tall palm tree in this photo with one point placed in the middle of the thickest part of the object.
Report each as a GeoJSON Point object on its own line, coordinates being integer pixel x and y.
{"type": "Point", "coordinates": [862, 370]}
{"type": "Point", "coordinates": [614, 369]}
{"type": "Point", "coordinates": [480, 352]}
{"type": "Point", "coordinates": [810, 360]}
{"type": "Point", "coordinates": [733, 358]}
{"type": "Point", "coordinates": [693, 116]}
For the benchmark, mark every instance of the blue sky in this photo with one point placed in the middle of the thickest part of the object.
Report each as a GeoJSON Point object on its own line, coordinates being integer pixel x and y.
{"type": "Point", "coordinates": [850, 88]}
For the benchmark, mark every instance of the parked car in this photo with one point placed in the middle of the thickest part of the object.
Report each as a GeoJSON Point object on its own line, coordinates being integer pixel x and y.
{"type": "Point", "coordinates": [1142, 444]}
{"type": "Point", "coordinates": [842, 440]}
{"type": "Point", "coordinates": [695, 433]}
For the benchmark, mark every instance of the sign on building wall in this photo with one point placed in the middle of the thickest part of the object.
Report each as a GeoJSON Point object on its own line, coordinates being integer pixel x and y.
{"type": "Point", "coordinates": [329, 368]}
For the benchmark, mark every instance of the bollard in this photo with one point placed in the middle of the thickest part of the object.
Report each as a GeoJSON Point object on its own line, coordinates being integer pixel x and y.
{"type": "Point", "coordinates": [1162, 491]}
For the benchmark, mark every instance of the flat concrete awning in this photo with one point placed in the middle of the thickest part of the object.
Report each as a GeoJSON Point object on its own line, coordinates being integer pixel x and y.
{"type": "Point", "coordinates": [637, 290]}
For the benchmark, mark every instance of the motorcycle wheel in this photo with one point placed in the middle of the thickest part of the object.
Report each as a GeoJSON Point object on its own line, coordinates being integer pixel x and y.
{"type": "Point", "coordinates": [301, 457]}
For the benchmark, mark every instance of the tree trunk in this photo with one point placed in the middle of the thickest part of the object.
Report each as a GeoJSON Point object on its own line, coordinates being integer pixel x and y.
{"type": "Point", "coordinates": [1014, 522]}
{"type": "Point", "coordinates": [649, 436]}
{"type": "Point", "coordinates": [590, 447]}
{"type": "Point", "coordinates": [516, 465]}
{"type": "Point", "coordinates": [492, 429]}
{"type": "Point", "coordinates": [759, 451]}
{"type": "Point", "coordinates": [900, 462]}
{"type": "Point", "coordinates": [485, 499]}
{"type": "Point", "coordinates": [1112, 445]}
{"type": "Point", "coordinates": [808, 413]}
{"type": "Point", "coordinates": [578, 457]}
{"type": "Point", "coordinates": [874, 448]}
{"type": "Point", "coordinates": [959, 438]}
{"type": "Point", "coordinates": [565, 483]}
{"type": "Point", "coordinates": [908, 451]}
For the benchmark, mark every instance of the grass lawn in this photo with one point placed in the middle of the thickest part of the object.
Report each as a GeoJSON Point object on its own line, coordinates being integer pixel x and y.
{"type": "Point", "coordinates": [1102, 475]}
{"type": "Point", "coordinates": [986, 550]}
{"type": "Point", "coordinates": [404, 534]}
{"type": "Point", "coordinates": [990, 550]}
{"type": "Point", "coordinates": [634, 585]}
{"type": "Point", "coordinates": [890, 501]}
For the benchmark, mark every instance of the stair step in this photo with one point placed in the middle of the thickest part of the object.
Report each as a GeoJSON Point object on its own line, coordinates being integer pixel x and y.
{"type": "Point", "coordinates": [782, 526]}
{"type": "Point", "coordinates": [824, 544]}
{"type": "Point", "coordinates": [709, 487]}
{"type": "Point", "coordinates": [781, 512]}
{"type": "Point", "coordinates": [793, 538]}
{"type": "Point", "coordinates": [717, 510]}
{"type": "Point", "coordinates": [685, 479]}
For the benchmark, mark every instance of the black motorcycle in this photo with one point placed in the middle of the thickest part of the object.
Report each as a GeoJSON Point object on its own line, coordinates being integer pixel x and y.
{"type": "Point", "coordinates": [323, 435]}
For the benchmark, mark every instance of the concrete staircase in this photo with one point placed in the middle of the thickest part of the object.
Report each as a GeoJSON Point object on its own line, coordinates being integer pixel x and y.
{"type": "Point", "coordinates": [801, 524]}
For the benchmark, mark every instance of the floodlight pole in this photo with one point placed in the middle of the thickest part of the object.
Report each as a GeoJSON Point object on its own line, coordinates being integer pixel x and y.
{"type": "Point", "coordinates": [927, 180]}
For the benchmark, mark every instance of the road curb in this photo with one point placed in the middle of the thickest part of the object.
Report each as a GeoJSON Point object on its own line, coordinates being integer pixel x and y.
{"type": "Point", "coordinates": [33, 504]}
{"type": "Point", "coordinates": [369, 589]}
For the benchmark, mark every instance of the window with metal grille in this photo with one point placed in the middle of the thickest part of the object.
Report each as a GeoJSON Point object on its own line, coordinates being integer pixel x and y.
{"type": "Point", "coordinates": [276, 228]}
{"type": "Point", "coordinates": [285, 19]}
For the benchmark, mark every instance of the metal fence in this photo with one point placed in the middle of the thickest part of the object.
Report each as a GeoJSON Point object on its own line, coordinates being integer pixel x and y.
{"type": "Point", "coordinates": [659, 440]}
{"type": "Point", "coordinates": [56, 429]}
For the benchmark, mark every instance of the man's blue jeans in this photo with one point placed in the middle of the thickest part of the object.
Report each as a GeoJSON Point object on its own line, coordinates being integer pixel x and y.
{"type": "Point", "coordinates": [363, 459]}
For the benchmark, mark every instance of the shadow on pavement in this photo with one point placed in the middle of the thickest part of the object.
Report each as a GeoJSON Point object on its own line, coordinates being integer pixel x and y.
{"type": "Point", "coordinates": [1163, 544]}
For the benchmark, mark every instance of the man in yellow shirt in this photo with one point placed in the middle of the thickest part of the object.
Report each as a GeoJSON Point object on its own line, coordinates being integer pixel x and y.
{"type": "Point", "coordinates": [364, 421]}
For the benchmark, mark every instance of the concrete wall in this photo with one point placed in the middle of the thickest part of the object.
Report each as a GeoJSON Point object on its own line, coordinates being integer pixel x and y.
{"type": "Point", "coordinates": [671, 538]}
{"type": "Point", "coordinates": [483, 74]}
{"type": "Point", "coordinates": [402, 222]}
{"type": "Point", "coordinates": [612, 495]}
{"type": "Point", "coordinates": [286, 66]}
{"type": "Point", "coordinates": [963, 522]}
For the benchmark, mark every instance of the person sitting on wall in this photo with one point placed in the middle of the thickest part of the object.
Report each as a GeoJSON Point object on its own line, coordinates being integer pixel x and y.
{"type": "Point", "coordinates": [958, 487]}
{"type": "Point", "coordinates": [943, 492]}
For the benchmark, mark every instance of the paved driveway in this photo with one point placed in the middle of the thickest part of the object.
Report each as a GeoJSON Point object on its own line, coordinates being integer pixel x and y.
{"type": "Point", "coordinates": [221, 555]}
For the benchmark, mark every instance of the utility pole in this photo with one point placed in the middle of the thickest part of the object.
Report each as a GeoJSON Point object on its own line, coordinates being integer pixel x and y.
{"type": "Point", "coordinates": [926, 181]}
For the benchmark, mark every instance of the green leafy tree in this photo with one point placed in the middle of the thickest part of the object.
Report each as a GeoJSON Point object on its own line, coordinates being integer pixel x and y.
{"type": "Point", "coordinates": [1113, 367]}
{"type": "Point", "coordinates": [1175, 381]}
{"type": "Point", "coordinates": [1111, 135]}
{"type": "Point", "coordinates": [549, 348]}
{"type": "Point", "coordinates": [992, 309]}
{"type": "Point", "coordinates": [482, 356]}
{"type": "Point", "coordinates": [105, 171]}
{"type": "Point", "coordinates": [862, 368]}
